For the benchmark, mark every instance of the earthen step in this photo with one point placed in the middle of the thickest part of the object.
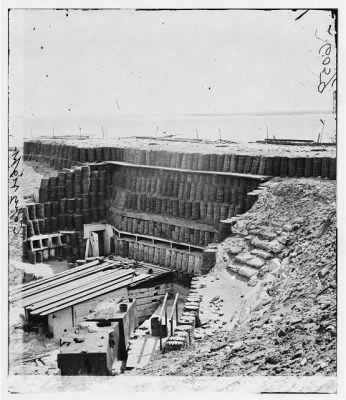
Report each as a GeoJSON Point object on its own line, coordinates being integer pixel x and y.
{"type": "Point", "coordinates": [247, 271]}
{"type": "Point", "coordinates": [283, 239]}
{"type": "Point", "coordinates": [265, 233]}
{"type": "Point", "coordinates": [273, 246]}
{"type": "Point", "coordinates": [234, 266]}
{"type": "Point", "coordinates": [236, 246]}
{"type": "Point", "coordinates": [250, 260]}
{"type": "Point", "coordinates": [261, 253]}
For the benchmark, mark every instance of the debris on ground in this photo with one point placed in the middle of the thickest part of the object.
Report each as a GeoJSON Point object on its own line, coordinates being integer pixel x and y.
{"type": "Point", "coordinates": [286, 322]}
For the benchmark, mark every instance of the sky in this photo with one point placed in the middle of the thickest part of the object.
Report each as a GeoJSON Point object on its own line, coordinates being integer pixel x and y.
{"type": "Point", "coordinates": [78, 65]}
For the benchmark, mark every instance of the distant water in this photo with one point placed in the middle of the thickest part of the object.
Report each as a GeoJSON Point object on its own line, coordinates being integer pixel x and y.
{"type": "Point", "coordinates": [238, 128]}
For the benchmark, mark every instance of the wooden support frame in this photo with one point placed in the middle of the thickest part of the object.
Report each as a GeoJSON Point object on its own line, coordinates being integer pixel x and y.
{"type": "Point", "coordinates": [154, 240]}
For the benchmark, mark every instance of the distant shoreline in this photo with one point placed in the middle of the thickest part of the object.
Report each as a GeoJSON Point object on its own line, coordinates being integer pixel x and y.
{"type": "Point", "coordinates": [137, 117]}
{"type": "Point", "coordinates": [262, 114]}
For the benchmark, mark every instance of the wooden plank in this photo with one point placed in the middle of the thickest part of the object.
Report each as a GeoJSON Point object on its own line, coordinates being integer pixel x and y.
{"type": "Point", "coordinates": [87, 297]}
{"type": "Point", "coordinates": [94, 242]}
{"type": "Point", "coordinates": [109, 279]}
{"type": "Point", "coordinates": [142, 266]}
{"type": "Point", "coordinates": [159, 245]}
{"type": "Point", "coordinates": [145, 312]}
{"type": "Point", "coordinates": [61, 321]}
{"type": "Point", "coordinates": [89, 228]}
{"type": "Point", "coordinates": [140, 278]}
{"type": "Point", "coordinates": [157, 269]}
{"type": "Point", "coordinates": [60, 276]}
{"type": "Point", "coordinates": [150, 293]}
{"type": "Point", "coordinates": [75, 292]}
{"type": "Point", "coordinates": [135, 292]}
{"type": "Point", "coordinates": [163, 286]}
{"type": "Point", "coordinates": [152, 306]}
{"type": "Point", "coordinates": [56, 276]}
{"type": "Point", "coordinates": [67, 289]}
{"type": "Point", "coordinates": [149, 300]}
{"type": "Point", "coordinates": [164, 219]}
{"type": "Point", "coordinates": [24, 360]}
{"type": "Point", "coordinates": [59, 290]}
{"type": "Point", "coordinates": [190, 171]}
{"type": "Point", "coordinates": [61, 281]}
{"type": "Point", "coordinates": [148, 309]}
{"type": "Point", "coordinates": [80, 297]}
{"type": "Point", "coordinates": [87, 246]}
{"type": "Point", "coordinates": [142, 351]}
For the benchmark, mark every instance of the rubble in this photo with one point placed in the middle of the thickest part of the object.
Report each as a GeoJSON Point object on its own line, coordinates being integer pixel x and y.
{"type": "Point", "coordinates": [291, 326]}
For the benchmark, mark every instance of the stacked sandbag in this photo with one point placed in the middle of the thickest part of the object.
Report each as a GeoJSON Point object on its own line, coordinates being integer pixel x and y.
{"type": "Point", "coordinates": [179, 260]}
{"type": "Point", "coordinates": [183, 335]}
{"type": "Point", "coordinates": [66, 202]}
{"type": "Point", "coordinates": [198, 197]}
{"type": "Point", "coordinates": [60, 155]}
{"type": "Point", "coordinates": [41, 234]}
{"type": "Point", "coordinates": [178, 233]}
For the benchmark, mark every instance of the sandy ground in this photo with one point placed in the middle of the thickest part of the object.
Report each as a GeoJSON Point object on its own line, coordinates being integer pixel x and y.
{"type": "Point", "coordinates": [224, 297]}
{"type": "Point", "coordinates": [42, 270]}
{"type": "Point", "coordinates": [23, 344]}
{"type": "Point", "coordinates": [207, 148]}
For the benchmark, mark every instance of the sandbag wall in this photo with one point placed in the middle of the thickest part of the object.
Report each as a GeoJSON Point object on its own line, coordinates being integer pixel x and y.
{"type": "Point", "coordinates": [183, 335]}
{"type": "Point", "coordinates": [75, 197]}
{"type": "Point", "coordinates": [55, 155]}
{"type": "Point", "coordinates": [42, 241]}
{"type": "Point", "coordinates": [59, 155]}
{"type": "Point", "coordinates": [204, 198]}
{"type": "Point", "coordinates": [179, 260]}
{"type": "Point", "coordinates": [66, 202]}
{"type": "Point", "coordinates": [177, 206]}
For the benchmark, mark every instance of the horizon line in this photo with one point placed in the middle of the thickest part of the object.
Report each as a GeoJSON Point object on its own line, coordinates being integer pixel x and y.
{"type": "Point", "coordinates": [139, 115]}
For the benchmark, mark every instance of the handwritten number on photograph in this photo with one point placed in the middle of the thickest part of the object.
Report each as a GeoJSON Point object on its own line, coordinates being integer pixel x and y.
{"type": "Point", "coordinates": [325, 80]}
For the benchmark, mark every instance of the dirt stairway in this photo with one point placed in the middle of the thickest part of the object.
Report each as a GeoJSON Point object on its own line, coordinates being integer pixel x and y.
{"type": "Point", "coordinates": [256, 251]}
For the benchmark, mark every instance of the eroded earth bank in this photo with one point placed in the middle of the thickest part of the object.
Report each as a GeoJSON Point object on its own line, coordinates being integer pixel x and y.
{"type": "Point", "coordinates": [282, 322]}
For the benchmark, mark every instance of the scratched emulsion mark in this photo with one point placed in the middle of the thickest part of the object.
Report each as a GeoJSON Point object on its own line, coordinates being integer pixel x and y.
{"type": "Point", "coordinates": [14, 175]}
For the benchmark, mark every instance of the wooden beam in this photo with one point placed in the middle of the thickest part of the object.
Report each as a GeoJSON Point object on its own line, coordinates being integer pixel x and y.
{"type": "Point", "coordinates": [56, 276]}
{"type": "Point", "coordinates": [108, 289]}
{"type": "Point", "coordinates": [159, 240]}
{"type": "Point", "coordinates": [190, 171]}
{"type": "Point", "coordinates": [61, 281]}
{"type": "Point", "coordinates": [164, 219]}
{"type": "Point", "coordinates": [78, 291]}
{"type": "Point", "coordinates": [67, 287]}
